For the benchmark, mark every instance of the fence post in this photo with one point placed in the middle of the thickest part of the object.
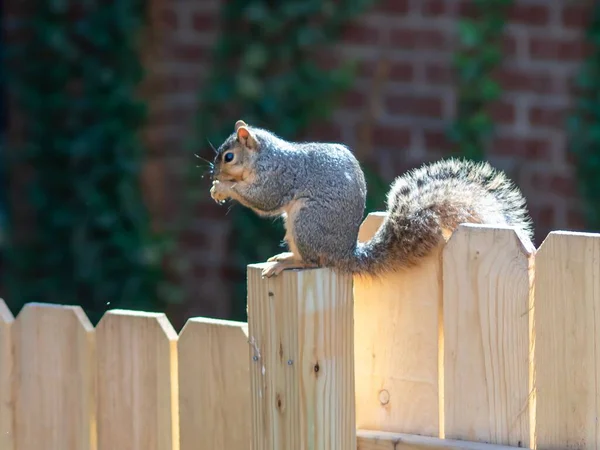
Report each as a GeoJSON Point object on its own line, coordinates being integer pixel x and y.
{"type": "Point", "coordinates": [301, 360]}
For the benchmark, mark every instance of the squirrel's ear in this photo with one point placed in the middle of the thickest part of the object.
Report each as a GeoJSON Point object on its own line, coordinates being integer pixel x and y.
{"type": "Point", "coordinates": [246, 138]}
{"type": "Point", "coordinates": [240, 123]}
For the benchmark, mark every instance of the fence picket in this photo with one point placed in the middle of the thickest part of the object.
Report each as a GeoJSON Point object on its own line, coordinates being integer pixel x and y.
{"type": "Point", "coordinates": [214, 385]}
{"type": "Point", "coordinates": [6, 378]}
{"type": "Point", "coordinates": [488, 281]}
{"type": "Point", "coordinates": [396, 323]}
{"type": "Point", "coordinates": [567, 354]}
{"type": "Point", "coordinates": [137, 382]}
{"type": "Point", "coordinates": [54, 386]}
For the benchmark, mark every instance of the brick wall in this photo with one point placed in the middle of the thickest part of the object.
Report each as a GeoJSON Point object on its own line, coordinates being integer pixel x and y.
{"type": "Point", "coordinates": [395, 115]}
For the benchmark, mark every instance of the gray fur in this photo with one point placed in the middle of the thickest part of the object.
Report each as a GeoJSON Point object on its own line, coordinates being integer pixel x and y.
{"type": "Point", "coordinates": [328, 179]}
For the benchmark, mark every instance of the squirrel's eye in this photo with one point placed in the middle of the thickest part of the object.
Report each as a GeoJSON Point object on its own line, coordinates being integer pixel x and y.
{"type": "Point", "coordinates": [228, 157]}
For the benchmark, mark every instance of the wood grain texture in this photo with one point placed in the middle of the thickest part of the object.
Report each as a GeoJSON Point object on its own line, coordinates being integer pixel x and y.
{"type": "Point", "coordinates": [378, 440]}
{"type": "Point", "coordinates": [6, 378]}
{"type": "Point", "coordinates": [488, 290]}
{"type": "Point", "coordinates": [567, 337]}
{"type": "Point", "coordinates": [214, 385]}
{"type": "Point", "coordinates": [301, 360]}
{"type": "Point", "coordinates": [137, 382]}
{"type": "Point", "coordinates": [396, 323]}
{"type": "Point", "coordinates": [54, 378]}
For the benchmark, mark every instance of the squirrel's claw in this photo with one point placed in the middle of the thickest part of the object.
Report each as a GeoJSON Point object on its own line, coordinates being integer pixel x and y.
{"type": "Point", "coordinates": [279, 266]}
{"type": "Point", "coordinates": [285, 256]}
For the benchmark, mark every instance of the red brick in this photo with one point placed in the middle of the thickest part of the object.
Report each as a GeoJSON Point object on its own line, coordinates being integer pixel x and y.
{"type": "Point", "coordinates": [189, 52]}
{"type": "Point", "coordinates": [393, 6]}
{"type": "Point", "coordinates": [575, 16]}
{"type": "Point", "coordinates": [547, 116]}
{"type": "Point", "coordinates": [509, 45]}
{"type": "Point", "coordinates": [523, 148]}
{"type": "Point", "coordinates": [204, 21]}
{"type": "Point", "coordinates": [554, 183]}
{"type": "Point", "coordinates": [153, 185]}
{"type": "Point", "coordinates": [195, 239]}
{"type": "Point", "coordinates": [514, 79]}
{"type": "Point", "coordinates": [536, 15]}
{"type": "Point", "coordinates": [467, 9]}
{"type": "Point", "coordinates": [324, 131]}
{"type": "Point", "coordinates": [354, 99]}
{"type": "Point", "coordinates": [419, 39]}
{"type": "Point", "coordinates": [172, 84]}
{"type": "Point", "coordinates": [543, 216]}
{"type": "Point", "coordinates": [414, 105]}
{"type": "Point", "coordinates": [171, 116]}
{"type": "Point", "coordinates": [168, 19]}
{"type": "Point", "coordinates": [550, 48]}
{"type": "Point", "coordinates": [390, 137]}
{"type": "Point", "coordinates": [401, 71]}
{"type": "Point", "coordinates": [357, 33]}
{"type": "Point", "coordinates": [436, 140]}
{"type": "Point", "coordinates": [438, 73]}
{"type": "Point", "coordinates": [326, 60]}
{"type": "Point", "coordinates": [575, 219]}
{"type": "Point", "coordinates": [433, 8]}
{"type": "Point", "coordinates": [503, 112]}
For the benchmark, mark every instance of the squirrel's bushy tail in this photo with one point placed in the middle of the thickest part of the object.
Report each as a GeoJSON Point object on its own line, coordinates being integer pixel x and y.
{"type": "Point", "coordinates": [436, 197]}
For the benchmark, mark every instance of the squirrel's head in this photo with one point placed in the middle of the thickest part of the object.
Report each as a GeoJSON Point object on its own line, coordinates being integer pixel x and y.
{"type": "Point", "coordinates": [236, 156]}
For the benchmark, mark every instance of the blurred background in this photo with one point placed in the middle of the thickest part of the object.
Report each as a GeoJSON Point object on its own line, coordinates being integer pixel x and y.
{"type": "Point", "coordinates": [108, 110]}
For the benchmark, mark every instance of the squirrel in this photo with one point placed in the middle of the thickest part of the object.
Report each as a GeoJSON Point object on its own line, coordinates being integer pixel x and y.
{"type": "Point", "coordinates": [320, 191]}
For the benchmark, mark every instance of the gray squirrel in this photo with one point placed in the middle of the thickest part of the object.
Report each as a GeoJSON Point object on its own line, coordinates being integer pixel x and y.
{"type": "Point", "coordinates": [319, 189]}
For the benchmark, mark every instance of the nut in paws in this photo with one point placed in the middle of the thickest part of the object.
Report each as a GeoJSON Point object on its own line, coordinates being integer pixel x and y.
{"type": "Point", "coordinates": [218, 192]}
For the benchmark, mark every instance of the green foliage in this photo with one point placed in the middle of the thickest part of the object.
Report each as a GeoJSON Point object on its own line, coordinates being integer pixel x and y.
{"type": "Point", "coordinates": [265, 73]}
{"type": "Point", "coordinates": [584, 125]}
{"type": "Point", "coordinates": [480, 52]}
{"type": "Point", "coordinates": [75, 80]}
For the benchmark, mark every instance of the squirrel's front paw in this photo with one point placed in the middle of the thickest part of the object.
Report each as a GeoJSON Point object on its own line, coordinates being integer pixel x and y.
{"type": "Point", "coordinates": [219, 191]}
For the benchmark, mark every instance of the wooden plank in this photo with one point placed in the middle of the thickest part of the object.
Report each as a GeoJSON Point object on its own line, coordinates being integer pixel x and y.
{"type": "Point", "coordinates": [380, 440]}
{"type": "Point", "coordinates": [396, 323]}
{"type": "Point", "coordinates": [54, 385]}
{"type": "Point", "coordinates": [567, 354]}
{"type": "Point", "coordinates": [301, 360]}
{"type": "Point", "coordinates": [6, 378]}
{"type": "Point", "coordinates": [137, 382]}
{"type": "Point", "coordinates": [488, 290]}
{"type": "Point", "coordinates": [214, 385]}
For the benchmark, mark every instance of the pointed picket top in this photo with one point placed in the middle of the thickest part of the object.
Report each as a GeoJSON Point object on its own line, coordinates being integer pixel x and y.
{"type": "Point", "coordinates": [54, 396]}
{"type": "Point", "coordinates": [137, 371]}
{"type": "Point", "coordinates": [566, 358]}
{"type": "Point", "coordinates": [55, 311]}
{"type": "Point", "coordinates": [370, 225]}
{"type": "Point", "coordinates": [500, 233]}
{"type": "Point", "coordinates": [214, 376]}
{"type": "Point", "coordinates": [487, 288]}
{"type": "Point", "coordinates": [5, 314]}
{"type": "Point", "coordinates": [160, 319]}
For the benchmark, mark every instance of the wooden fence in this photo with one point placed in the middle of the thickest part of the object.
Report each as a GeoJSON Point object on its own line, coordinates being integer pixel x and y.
{"type": "Point", "coordinates": [489, 344]}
